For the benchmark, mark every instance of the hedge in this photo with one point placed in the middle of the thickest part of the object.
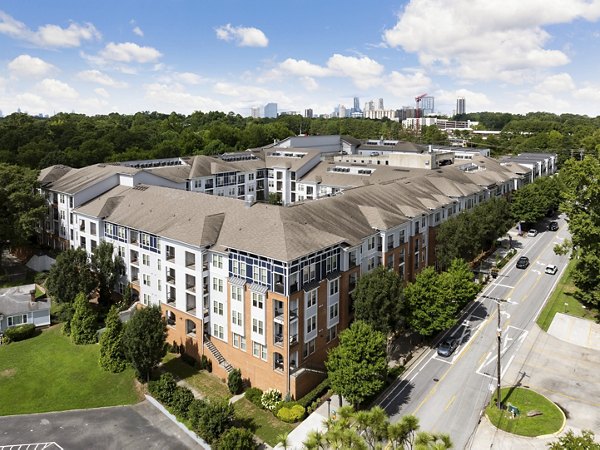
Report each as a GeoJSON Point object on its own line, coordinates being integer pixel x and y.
{"type": "Point", "coordinates": [291, 414]}
{"type": "Point", "coordinates": [254, 395]}
{"type": "Point", "coordinates": [313, 395]}
{"type": "Point", "coordinates": [20, 332]}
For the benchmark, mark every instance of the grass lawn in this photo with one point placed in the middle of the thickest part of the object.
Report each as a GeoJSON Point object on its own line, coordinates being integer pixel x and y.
{"type": "Point", "coordinates": [526, 400]}
{"type": "Point", "coordinates": [208, 385]}
{"type": "Point", "coordinates": [262, 423]}
{"type": "Point", "coordinates": [49, 373]}
{"type": "Point", "coordinates": [561, 295]}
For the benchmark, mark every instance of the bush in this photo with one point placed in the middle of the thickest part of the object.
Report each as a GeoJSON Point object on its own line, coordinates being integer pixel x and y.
{"type": "Point", "coordinates": [112, 357]}
{"type": "Point", "coordinates": [181, 401]}
{"type": "Point", "coordinates": [234, 381]}
{"type": "Point", "coordinates": [164, 388]}
{"type": "Point", "coordinates": [189, 360]}
{"type": "Point", "coordinates": [83, 322]}
{"type": "Point", "coordinates": [238, 439]}
{"type": "Point", "coordinates": [254, 395]}
{"type": "Point", "coordinates": [20, 332]}
{"type": "Point", "coordinates": [313, 395]}
{"type": "Point", "coordinates": [291, 414]}
{"type": "Point", "coordinates": [284, 404]}
{"type": "Point", "coordinates": [213, 420]}
{"type": "Point", "coordinates": [195, 412]}
{"type": "Point", "coordinates": [270, 398]}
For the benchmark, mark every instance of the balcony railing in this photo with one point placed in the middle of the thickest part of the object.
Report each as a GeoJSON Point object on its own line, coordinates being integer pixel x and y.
{"type": "Point", "coordinates": [279, 288]}
{"type": "Point", "coordinates": [191, 287]}
{"type": "Point", "coordinates": [293, 339]}
{"type": "Point", "coordinates": [170, 299]}
{"type": "Point", "coordinates": [279, 340]}
{"type": "Point", "coordinates": [171, 279]}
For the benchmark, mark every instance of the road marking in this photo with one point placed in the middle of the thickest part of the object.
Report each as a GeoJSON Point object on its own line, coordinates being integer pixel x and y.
{"type": "Point", "coordinates": [504, 285]}
{"type": "Point", "coordinates": [32, 446]}
{"type": "Point", "coordinates": [450, 402]}
{"type": "Point", "coordinates": [484, 356]}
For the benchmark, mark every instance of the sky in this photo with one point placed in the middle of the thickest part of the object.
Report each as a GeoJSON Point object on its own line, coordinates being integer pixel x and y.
{"type": "Point", "coordinates": [97, 57]}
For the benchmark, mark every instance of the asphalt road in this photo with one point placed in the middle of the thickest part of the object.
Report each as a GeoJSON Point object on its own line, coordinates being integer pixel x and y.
{"type": "Point", "coordinates": [139, 426]}
{"type": "Point", "coordinates": [449, 394]}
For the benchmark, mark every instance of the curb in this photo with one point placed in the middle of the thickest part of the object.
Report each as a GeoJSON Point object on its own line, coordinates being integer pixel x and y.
{"type": "Point", "coordinates": [173, 419]}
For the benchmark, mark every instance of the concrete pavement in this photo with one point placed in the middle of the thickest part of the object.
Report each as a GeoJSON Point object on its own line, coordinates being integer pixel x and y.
{"type": "Point", "coordinates": [575, 330]}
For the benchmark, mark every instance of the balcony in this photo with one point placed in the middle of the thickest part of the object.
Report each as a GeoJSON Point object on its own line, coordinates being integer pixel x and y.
{"type": "Point", "coordinates": [279, 340]}
{"type": "Point", "coordinates": [279, 288]}
{"type": "Point", "coordinates": [171, 279]}
{"type": "Point", "coordinates": [170, 299]}
{"type": "Point", "coordinates": [293, 339]}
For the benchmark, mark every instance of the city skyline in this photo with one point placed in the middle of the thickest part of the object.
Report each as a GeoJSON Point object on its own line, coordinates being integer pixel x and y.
{"type": "Point", "coordinates": [182, 56]}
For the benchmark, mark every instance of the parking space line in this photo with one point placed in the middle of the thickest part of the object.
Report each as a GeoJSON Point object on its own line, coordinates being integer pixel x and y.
{"type": "Point", "coordinates": [32, 446]}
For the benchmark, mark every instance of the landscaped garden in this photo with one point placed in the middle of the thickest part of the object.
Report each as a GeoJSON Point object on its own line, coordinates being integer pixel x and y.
{"type": "Point", "coordinates": [536, 414]}
{"type": "Point", "coordinates": [563, 301]}
{"type": "Point", "coordinates": [49, 373]}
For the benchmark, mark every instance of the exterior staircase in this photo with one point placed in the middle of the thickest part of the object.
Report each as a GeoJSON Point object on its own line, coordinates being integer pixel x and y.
{"type": "Point", "coordinates": [215, 352]}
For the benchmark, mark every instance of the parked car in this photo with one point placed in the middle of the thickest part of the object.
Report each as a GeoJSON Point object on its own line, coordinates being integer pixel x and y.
{"type": "Point", "coordinates": [523, 262]}
{"type": "Point", "coordinates": [447, 347]}
{"type": "Point", "coordinates": [553, 226]}
{"type": "Point", "coordinates": [532, 233]}
{"type": "Point", "coordinates": [551, 269]}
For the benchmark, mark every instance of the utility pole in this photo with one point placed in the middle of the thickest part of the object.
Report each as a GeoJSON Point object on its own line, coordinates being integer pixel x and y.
{"type": "Point", "coordinates": [499, 333]}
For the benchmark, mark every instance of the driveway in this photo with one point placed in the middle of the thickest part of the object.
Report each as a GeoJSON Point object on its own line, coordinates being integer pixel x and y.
{"type": "Point", "coordinates": [140, 426]}
{"type": "Point", "coordinates": [565, 373]}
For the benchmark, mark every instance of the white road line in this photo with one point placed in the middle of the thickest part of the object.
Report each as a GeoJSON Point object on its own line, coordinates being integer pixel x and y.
{"type": "Point", "coordinates": [504, 285]}
{"type": "Point", "coordinates": [41, 445]}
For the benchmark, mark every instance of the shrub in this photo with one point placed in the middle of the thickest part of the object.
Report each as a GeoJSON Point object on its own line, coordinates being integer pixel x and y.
{"type": "Point", "coordinates": [195, 412]}
{"type": "Point", "coordinates": [189, 360]}
{"type": "Point", "coordinates": [270, 398]}
{"type": "Point", "coordinates": [254, 395]}
{"type": "Point", "coordinates": [313, 395]}
{"type": "Point", "coordinates": [291, 414]}
{"type": "Point", "coordinates": [83, 323]}
{"type": "Point", "coordinates": [20, 332]}
{"type": "Point", "coordinates": [112, 357]}
{"type": "Point", "coordinates": [238, 439]}
{"type": "Point", "coordinates": [234, 381]}
{"type": "Point", "coordinates": [181, 401]}
{"type": "Point", "coordinates": [284, 404]}
{"type": "Point", "coordinates": [164, 388]}
{"type": "Point", "coordinates": [213, 420]}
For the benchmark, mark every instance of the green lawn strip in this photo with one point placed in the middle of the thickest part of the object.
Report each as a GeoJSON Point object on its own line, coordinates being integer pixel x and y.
{"type": "Point", "coordinates": [561, 295]}
{"type": "Point", "coordinates": [49, 373]}
{"type": "Point", "coordinates": [207, 384]}
{"type": "Point", "coordinates": [261, 422]}
{"type": "Point", "coordinates": [526, 400]}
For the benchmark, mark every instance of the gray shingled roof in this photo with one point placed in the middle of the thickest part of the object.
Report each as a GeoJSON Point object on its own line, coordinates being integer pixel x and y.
{"type": "Point", "coordinates": [76, 180]}
{"type": "Point", "coordinates": [15, 300]}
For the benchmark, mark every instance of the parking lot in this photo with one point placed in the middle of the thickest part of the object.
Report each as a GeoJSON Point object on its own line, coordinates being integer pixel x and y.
{"type": "Point", "coordinates": [139, 426]}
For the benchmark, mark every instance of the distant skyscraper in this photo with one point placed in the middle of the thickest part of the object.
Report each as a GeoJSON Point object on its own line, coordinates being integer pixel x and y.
{"type": "Point", "coordinates": [271, 110]}
{"type": "Point", "coordinates": [356, 105]}
{"type": "Point", "coordinates": [342, 111]}
{"type": "Point", "coordinates": [308, 113]}
{"type": "Point", "coordinates": [255, 112]}
{"type": "Point", "coordinates": [461, 105]}
{"type": "Point", "coordinates": [369, 106]}
{"type": "Point", "coordinates": [380, 104]}
{"type": "Point", "coordinates": [427, 105]}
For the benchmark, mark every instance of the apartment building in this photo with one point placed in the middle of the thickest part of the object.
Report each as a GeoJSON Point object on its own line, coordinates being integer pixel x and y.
{"type": "Point", "coordinates": [256, 286]}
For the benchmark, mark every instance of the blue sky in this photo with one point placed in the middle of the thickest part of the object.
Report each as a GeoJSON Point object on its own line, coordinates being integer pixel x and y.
{"type": "Point", "coordinates": [185, 55]}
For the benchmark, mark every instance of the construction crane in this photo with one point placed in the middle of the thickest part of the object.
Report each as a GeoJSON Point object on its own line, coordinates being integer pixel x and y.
{"type": "Point", "coordinates": [418, 110]}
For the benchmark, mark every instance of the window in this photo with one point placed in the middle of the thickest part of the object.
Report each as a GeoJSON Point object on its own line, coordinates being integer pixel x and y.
{"type": "Point", "coordinates": [93, 245]}
{"type": "Point", "coordinates": [258, 326]}
{"type": "Point", "coordinates": [334, 286]}
{"type": "Point", "coordinates": [263, 275]}
{"type": "Point", "coordinates": [217, 284]}
{"type": "Point", "coordinates": [333, 311]}
{"type": "Point", "coordinates": [236, 318]}
{"type": "Point", "coordinates": [236, 340]}
{"type": "Point", "coordinates": [259, 274]}
{"type": "Point", "coordinates": [17, 320]}
{"type": "Point", "coordinates": [402, 237]}
{"type": "Point", "coordinates": [259, 351]}
{"type": "Point", "coordinates": [146, 299]}
{"type": "Point", "coordinates": [371, 263]}
{"type": "Point", "coordinates": [331, 264]}
{"type": "Point", "coordinates": [311, 324]}
{"type": "Point", "coordinates": [146, 280]}
{"type": "Point", "coordinates": [146, 260]}
{"type": "Point", "coordinates": [309, 348]}
{"type": "Point", "coordinates": [311, 298]}
{"type": "Point", "coordinates": [218, 331]}
{"type": "Point", "coordinates": [258, 300]}
{"type": "Point", "coordinates": [93, 228]}
{"type": "Point", "coordinates": [371, 243]}
{"type": "Point", "coordinates": [331, 333]}
{"type": "Point", "coordinates": [236, 293]}
{"type": "Point", "coordinates": [159, 285]}
{"type": "Point", "coordinates": [217, 261]}
{"type": "Point", "coordinates": [218, 307]}
{"type": "Point", "coordinates": [158, 263]}
{"type": "Point", "coordinates": [121, 251]}
{"type": "Point", "coordinates": [190, 327]}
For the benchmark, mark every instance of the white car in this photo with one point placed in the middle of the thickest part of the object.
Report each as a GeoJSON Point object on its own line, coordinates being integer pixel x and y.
{"type": "Point", "coordinates": [551, 269]}
{"type": "Point", "coordinates": [532, 233]}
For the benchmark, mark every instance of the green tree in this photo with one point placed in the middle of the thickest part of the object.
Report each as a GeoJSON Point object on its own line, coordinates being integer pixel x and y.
{"type": "Point", "coordinates": [70, 275]}
{"type": "Point", "coordinates": [457, 283]}
{"type": "Point", "coordinates": [234, 381]}
{"type": "Point", "coordinates": [107, 267]}
{"type": "Point", "coordinates": [531, 203]}
{"type": "Point", "coordinates": [428, 308]}
{"type": "Point", "coordinates": [83, 323]}
{"type": "Point", "coordinates": [571, 441]}
{"type": "Point", "coordinates": [144, 340]}
{"type": "Point", "coordinates": [214, 419]}
{"type": "Point", "coordinates": [21, 208]}
{"type": "Point", "coordinates": [112, 358]}
{"type": "Point", "coordinates": [236, 439]}
{"type": "Point", "coordinates": [378, 300]}
{"type": "Point", "coordinates": [357, 367]}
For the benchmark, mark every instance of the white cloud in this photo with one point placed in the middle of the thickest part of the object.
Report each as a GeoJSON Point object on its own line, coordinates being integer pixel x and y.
{"type": "Point", "coordinates": [188, 77]}
{"type": "Point", "coordinates": [302, 67]}
{"type": "Point", "coordinates": [556, 83]}
{"type": "Point", "coordinates": [590, 93]}
{"type": "Point", "coordinates": [31, 103]}
{"type": "Point", "coordinates": [406, 84]}
{"type": "Point", "coordinates": [48, 35]}
{"type": "Point", "coordinates": [102, 92]}
{"type": "Point", "coordinates": [173, 97]}
{"type": "Point", "coordinates": [50, 87]}
{"type": "Point", "coordinates": [95, 76]}
{"type": "Point", "coordinates": [475, 101]}
{"type": "Point", "coordinates": [138, 31]}
{"type": "Point", "coordinates": [30, 66]}
{"type": "Point", "coordinates": [243, 36]}
{"type": "Point", "coordinates": [128, 52]}
{"type": "Point", "coordinates": [309, 83]}
{"type": "Point", "coordinates": [479, 39]}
